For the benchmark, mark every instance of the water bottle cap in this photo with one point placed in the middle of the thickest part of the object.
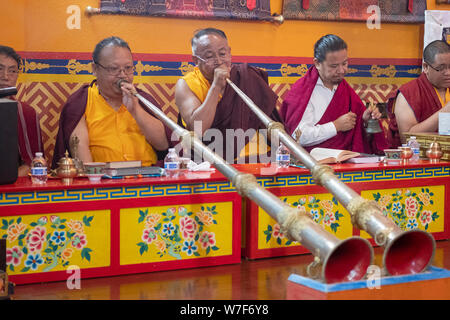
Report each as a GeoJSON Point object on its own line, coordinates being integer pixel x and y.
{"type": "Point", "coordinates": [38, 154]}
{"type": "Point", "coordinates": [171, 149]}
{"type": "Point", "coordinates": [413, 137]}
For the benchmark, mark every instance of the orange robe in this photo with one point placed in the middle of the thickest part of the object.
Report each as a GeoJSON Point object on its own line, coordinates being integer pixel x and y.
{"type": "Point", "coordinates": [114, 135]}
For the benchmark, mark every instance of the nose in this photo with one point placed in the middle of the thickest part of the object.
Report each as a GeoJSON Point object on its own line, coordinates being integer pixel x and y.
{"type": "Point", "coordinates": [447, 70]}
{"type": "Point", "coordinates": [4, 73]}
{"type": "Point", "coordinates": [342, 69]}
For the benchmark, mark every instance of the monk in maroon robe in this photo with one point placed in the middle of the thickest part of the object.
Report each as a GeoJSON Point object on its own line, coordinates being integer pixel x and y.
{"type": "Point", "coordinates": [29, 133]}
{"type": "Point", "coordinates": [416, 105]}
{"type": "Point", "coordinates": [28, 128]}
{"type": "Point", "coordinates": [204, 96]}
{"type": "Point", "coordinates": [345, 116]}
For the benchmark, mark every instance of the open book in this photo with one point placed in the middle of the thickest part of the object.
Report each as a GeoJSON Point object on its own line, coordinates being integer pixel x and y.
{"type": "Point", "coordinates": [326, 155]}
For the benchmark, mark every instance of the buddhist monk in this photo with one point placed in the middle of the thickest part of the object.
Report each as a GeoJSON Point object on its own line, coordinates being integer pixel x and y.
{"type": "Point", "coordinates": [28, 128]}
{"type": "Point", "coordinates": [107, 118]}
{"type": "Point", "coordinates": [205, 99]}
{"type": "Point", "coordinates": [418, 103]}
{"type": "Point", "coordinates": [325, 109]}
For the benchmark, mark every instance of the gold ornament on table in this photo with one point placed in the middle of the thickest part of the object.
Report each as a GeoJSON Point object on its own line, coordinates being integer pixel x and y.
{"type": "Point", "coordinates": [406, 154]}
{"type": "Point", "coordinates": [66, 169]}
{"type": "Point", "coordinates": [73, 144]}
{"type": "Point", "coordinates": [373, 125]}
{"type": "Point", "coordinates": [434, 153]}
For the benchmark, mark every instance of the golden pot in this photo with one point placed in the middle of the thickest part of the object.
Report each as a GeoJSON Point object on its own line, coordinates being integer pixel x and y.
{"type": "Point", "coordinates": [66, 169]}
{"type": "Point", "coordinates": [406, 154]}
{"type": "Point", "coordinates": [434, 153]}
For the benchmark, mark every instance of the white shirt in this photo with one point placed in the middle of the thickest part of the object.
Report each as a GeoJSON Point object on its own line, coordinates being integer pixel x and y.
{"type": "Point", "coordinates": [313, 133]}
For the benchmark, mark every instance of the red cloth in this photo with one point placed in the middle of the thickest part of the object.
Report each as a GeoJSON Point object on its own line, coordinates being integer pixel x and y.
{"type": "Point", "coordinates": [71, 114]}
{"type": "Point", "coordinates": [423, 100]}
{"type": "Point", "coordinates": [305, 4]}
{"type": "Point", "coordinates": [28, 132]}
{"type": "Point", "coordinates": [251, 4]}
{"type": "Point", "coordinates": [344, 100]}
{"type": "Point", "coordinates": [410, 6]}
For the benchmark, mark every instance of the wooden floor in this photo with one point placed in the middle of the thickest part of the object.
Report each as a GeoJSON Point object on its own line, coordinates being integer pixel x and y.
{"type": "Point", "coordinates": [258, 279]}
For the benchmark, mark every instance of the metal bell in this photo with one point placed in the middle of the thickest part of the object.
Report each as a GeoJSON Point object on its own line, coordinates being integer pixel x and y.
{"type": "Point", "coordinates": [373, 125]}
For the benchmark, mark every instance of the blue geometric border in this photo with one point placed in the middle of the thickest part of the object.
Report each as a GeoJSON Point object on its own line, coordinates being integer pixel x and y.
{"type": "Point", "coordinates": [178, 68]}
{"type": "Point", "coordinates": [60, 196]}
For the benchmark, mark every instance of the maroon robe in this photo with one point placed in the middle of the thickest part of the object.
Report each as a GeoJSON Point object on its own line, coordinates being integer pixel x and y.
{"type": "Point", "coordinates": [233, 113]}
{"type": "Point", "coordinates": [423, 100]}
{"type": "Point", "coordinates": [344, 100]}
{"type": "Point", "coordinates": [28, 133]}
{"type": "Point", "coordinates": [71, 114]}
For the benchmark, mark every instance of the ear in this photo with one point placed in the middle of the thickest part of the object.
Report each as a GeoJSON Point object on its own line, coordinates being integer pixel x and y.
{"type": "Point", "coordinates": [195, 60]}
{"type": "Point", "coordinates": [425, 67]}
{"type": "Point", "coordinates": [316, 63]}
{"type": "Point", "coordinates": [94, 68]}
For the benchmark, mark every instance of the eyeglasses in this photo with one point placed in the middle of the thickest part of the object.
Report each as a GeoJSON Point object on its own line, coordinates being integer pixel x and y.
{"type": "Point", "coordinates": [9, 71]}
{"type": "Point", "coordinates": [440, 68]}
{"type": "Point", "coordinates": [223, 56]}
{"type": "Point", "coordinates": [115, 71]}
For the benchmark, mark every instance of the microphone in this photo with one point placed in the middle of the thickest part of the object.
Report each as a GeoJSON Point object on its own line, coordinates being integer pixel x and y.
{"type": "Point", "coordinates": [6, 92]}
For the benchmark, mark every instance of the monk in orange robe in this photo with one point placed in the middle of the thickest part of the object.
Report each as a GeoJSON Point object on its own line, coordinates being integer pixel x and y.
{"type": "Point", "coordinates": [204, 97]}
{"type": "Point", "coordinates": [108, 119]}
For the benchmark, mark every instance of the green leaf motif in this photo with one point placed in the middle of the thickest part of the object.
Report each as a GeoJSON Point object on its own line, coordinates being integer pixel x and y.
{"type": "Point", "coordinates": [87, 220]}
{"type": "Point", "coordinates": [334, 227]}
{"type": "Point", "coordinates": [143, 247]}
{"type": "Point", "coordinates": [85, 254]}
{"type": "Point", "coordinates": [5, 224]}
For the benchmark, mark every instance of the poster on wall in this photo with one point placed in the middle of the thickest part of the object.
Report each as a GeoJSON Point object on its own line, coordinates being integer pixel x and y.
{"type": "Point", "coordinates": [403, 11]}
{"type": "Point", "coordinates": [208, 9]}
{"type": "Point", "coordinates": [437, 26]}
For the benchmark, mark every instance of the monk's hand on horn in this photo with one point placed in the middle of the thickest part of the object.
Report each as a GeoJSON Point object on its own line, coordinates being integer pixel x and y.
{"type": "Point", "coordinates": [129, 96]}
{"type": "Point", "coordinates": [221, 73]}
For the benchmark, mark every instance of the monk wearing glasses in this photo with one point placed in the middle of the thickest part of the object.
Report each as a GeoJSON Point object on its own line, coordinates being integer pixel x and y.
{"type": "Point", "coordinates": [418, 103]}
{"type": "Point", "coordinates": [107, 118]}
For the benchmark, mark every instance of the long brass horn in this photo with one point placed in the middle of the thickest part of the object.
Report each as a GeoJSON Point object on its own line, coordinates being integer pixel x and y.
{"type": "Point", "coordinates": [405, 251]}
{"type": "Point", "coordinates": [341, 260]}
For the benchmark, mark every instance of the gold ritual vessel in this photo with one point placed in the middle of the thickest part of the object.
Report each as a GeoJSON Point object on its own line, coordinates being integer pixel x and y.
{"type": "Point", "coordinates": [434, 153]}
{"type": "Point", "coordinates": [66, 169]}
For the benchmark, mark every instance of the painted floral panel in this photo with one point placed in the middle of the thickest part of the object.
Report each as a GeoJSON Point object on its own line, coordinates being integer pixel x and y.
{"type": "Point", "coordinates": [175, 232]}
{"type": "Point", "coordinates": [322, 208]}
{"type": "Point", "coordinates": [412, 208]}
{"type": "Point", "coordinates": [43, 243]}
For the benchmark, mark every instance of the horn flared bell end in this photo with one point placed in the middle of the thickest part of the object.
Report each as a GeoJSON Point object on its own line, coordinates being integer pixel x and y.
{"type": "Point", "coordinates": [348, 261]}
{"type": "Point", "coordinates": [411, 252]}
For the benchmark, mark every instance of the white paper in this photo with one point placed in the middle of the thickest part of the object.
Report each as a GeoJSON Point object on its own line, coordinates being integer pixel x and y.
{"type": "Point", "coordinates": [444, 123]}
{"type": "Point", "coordinates": [204, 166]}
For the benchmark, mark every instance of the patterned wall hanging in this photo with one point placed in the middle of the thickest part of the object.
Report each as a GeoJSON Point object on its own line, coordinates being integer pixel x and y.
{"type": "Point", "coordinates": [208, 9]}
{"type": "Point", "coordinates": [405, 11]}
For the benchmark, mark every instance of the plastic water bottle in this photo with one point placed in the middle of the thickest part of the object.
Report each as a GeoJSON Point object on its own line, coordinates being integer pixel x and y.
{"type": "Point", "coordinates": [171, 163]}
{"type": "Point", "coordinates": [283, 156]}
{"type": "Point", "coordinates": [39, 169]}
{"type": "Point", "coordinates": [415, 147]}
